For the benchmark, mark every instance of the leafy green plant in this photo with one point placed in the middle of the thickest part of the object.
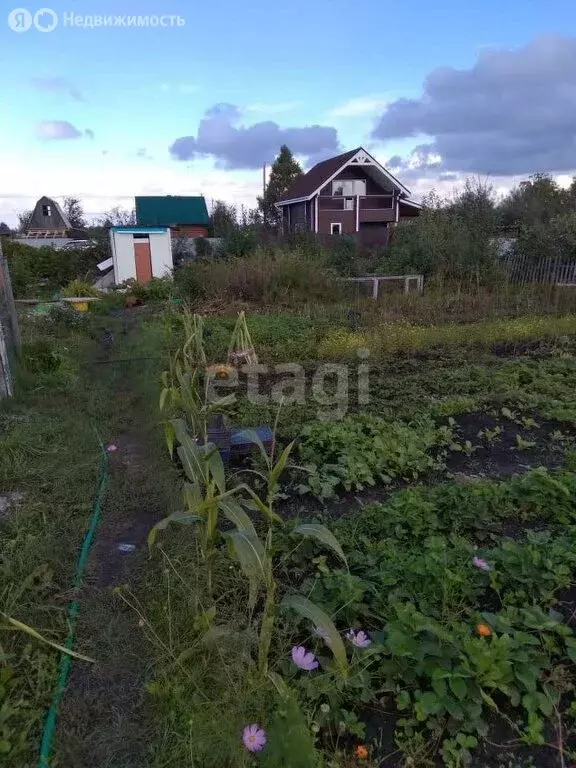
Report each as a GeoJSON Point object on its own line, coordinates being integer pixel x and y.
{"type": "Point", "coordinates": [361, 451]}
{"type": "Point", "coordinates": [80, 288]}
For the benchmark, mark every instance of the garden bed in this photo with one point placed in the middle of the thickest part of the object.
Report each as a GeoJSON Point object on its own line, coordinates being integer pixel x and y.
{"type": "Point", "coordinates": [450, 502]}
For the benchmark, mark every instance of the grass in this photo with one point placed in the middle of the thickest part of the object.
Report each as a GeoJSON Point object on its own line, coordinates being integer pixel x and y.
{"type": "Point", "coordinates": [50, 453]}
{"type": "Point", "coordinates": [392, 338]}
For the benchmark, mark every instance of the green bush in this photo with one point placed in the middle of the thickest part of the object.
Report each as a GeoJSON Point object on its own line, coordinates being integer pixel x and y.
{"type": "Point", "coordinates": [39, 272]}
{"type": "Point", "coordinates": [275, 275]}
{"type": "Point", "coordinates": [40, 357]}
{"type": "Point", "coordinates": [240, 242]}
{"type": "Point", "coordinates": [157, 289]}
{"type": "Point", "coordinates": [80, 288]}
{"type": "Point", "coordinates": [555, 239]}
{"type": "Point", "coordinates": [203, 248]}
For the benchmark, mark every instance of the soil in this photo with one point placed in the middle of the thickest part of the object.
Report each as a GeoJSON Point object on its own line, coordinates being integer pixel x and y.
{"type": "Point", "coordinates": [103, 720]}
{"type": "Point", "coordinates": [498, 458]}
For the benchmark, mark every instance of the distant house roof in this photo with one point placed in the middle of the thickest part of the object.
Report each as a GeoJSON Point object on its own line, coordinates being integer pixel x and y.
{"type": "Point", "coordinates": [311, 183]}
{"type": "Point", "coordinates": [171, 211]}
{"type": "Point", "coordinates": [48, 216]}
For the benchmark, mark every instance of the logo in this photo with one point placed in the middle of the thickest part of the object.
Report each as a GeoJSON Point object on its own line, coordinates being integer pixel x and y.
{"type": "Point", "coordinates": [45, 20]}
{"type": "Point", "coordinates": [21, 20]}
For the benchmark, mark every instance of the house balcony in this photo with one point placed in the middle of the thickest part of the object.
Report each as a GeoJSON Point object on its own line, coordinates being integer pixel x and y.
{"type": "Point", "coordinates": [372, 208]}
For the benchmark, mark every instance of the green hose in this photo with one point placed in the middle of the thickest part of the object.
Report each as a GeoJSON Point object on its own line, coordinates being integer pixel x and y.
{"type": "Point", "coordinates": [66, 659]}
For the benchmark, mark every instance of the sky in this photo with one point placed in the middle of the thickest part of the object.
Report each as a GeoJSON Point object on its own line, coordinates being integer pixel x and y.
{"type": "Point", "coordinates": [435, 91]}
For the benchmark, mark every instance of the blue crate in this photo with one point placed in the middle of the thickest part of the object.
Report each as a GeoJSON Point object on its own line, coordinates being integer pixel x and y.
{"type": "Point", "coordinates": [241, 443]}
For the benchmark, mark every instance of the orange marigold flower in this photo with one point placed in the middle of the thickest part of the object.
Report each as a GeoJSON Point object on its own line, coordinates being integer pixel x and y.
{"type": "Point", "coordinates": [220, 371]}
{"type": "Point", "coordinates": [361, 752]}
{"type": "Point", "coordinates": [483, 630]}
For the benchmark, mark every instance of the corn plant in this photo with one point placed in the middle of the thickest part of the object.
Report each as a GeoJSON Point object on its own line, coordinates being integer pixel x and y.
{"type": "Point", "coordinates": [193, 350]}
{"type": "Point", "coordinates": [272, 470]}
{"type": "Point", "coordinates": [256, 561]}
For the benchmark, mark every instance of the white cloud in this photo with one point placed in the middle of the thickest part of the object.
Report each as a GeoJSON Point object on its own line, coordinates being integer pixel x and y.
{"type": "Point", "coordinates": [360, 106]}
{"type": "Point", "coordinates": [273, 108]}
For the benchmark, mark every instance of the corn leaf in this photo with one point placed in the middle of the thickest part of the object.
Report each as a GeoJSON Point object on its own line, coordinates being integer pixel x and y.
{"type": "Point", "coordinates": [216, 466]}
{"type": "Point", "coordinates": [184, 518]}
{"type": "Point", "coordinates": [321, 620]}
{"type": "Point", "coordinates": [183, 434]}
{"type": "Point", "coordinates": [279, 684]}
{"type": "Point", "coordinates": [254, 437]}
{"type": "Point", "coordinates": [280, 465]}
{"type": "Point", "coordinates": [193, 463]}
{"type": "Point", "coordinates": [232, 510]}
{"type": "Point", "coordinates": [169, 434]}
{"type": "Point", "coordinates": [253, 561]}
{"type": "Point", "coordinates": [192, 495]}
{"type": "Point", "coordinates": [37, 636]}
{"type": "Point", "coordinates": [324, 535]}
{"type": "Point", "coordinates": [260, 506]}
{"type": "Point", "coordinates": [223, 402]}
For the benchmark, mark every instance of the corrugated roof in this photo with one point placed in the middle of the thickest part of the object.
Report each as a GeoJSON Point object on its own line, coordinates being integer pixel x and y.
{"type": "Point", "coordinates": [307, 184]}
{"type": "Point", "coordinates": [171, 211]}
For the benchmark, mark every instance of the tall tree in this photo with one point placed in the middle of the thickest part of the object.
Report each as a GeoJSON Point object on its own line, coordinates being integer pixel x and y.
{"type": "Point", "coordinates": [285, 170]}
{"type": "Point", "coordinates": [224, 218]}
{"type": "Point", "coordinates": [4, 228]}
{"type": "Point", "coordinates": [24, 219]}
{"type": "Point", "coordinates": [536, 200]}
{"type": "Point", "coordinates": [117, 217]}
{"type": "Point", "coordinates": [73, 209]}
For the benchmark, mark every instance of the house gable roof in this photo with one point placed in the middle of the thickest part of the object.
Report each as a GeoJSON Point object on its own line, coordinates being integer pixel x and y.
{"type": "Point", "coordinates": [56, 220]}
{"type": "Point", "coordinates": [318, 176]}
{"type": "Point", "coordinates": [171, 211]}
{"type": "Point", "coordinates": [308, 183]}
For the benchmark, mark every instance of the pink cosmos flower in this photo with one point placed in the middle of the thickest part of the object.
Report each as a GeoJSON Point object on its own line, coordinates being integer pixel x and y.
{"type": "Point", "coordinates": [111, 448]}
{"type": "Point", "coordinates": [360, 639]}
{"type": "Point", "coordinates": [254, 738]}
{"type": "Point", "coordinates": [303, 658]}
{"type": "Point", "coordinates": [482, 564]}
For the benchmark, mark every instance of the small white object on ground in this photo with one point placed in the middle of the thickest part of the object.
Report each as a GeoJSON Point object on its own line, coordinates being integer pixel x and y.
{"type": "Point", "coordinates": [126, 547]}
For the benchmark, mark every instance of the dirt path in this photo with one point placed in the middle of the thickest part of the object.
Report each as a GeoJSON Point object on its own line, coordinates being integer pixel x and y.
{"type": "Point", "coordinates": [103, 719]}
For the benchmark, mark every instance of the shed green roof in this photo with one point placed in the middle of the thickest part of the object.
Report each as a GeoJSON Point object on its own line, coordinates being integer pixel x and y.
{"type": "Point", "coordinates": [171, 211]}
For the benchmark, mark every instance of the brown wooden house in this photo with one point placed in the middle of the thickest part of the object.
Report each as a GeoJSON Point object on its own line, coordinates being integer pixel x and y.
{"type": "Point", "coordinates": [349, 194]}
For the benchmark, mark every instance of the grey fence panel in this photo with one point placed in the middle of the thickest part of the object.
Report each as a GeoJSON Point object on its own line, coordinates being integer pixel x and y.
{"type": "Point", "coordinates": [9, 331]}
{"type": "Point", "coordinates": [542, 271]}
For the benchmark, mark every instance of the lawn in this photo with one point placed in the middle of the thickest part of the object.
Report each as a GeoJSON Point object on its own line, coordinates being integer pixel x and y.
{"type": "Point", "coordinates": [390, 584]}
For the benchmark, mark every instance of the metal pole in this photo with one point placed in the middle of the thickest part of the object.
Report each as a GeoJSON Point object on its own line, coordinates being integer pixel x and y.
{"type": "Point", "coordinates": [9, 297]}
{"type": "Point", "coordinates": [264, 195]}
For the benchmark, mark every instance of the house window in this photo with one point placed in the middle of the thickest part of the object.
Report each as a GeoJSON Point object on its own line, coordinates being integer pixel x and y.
{"type": "Point", "coordinates": [349, 187]}
{"type": "Point", "coordinates": [348, 203]}
{"type": "Point", "coordinates": [46, 210]}
{"type": "Point", "coordinates": [336, 228]}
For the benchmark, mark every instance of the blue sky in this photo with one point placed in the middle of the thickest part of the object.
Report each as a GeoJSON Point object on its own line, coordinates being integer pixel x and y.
{"type": "Point", "coordinates": [95, 112]}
